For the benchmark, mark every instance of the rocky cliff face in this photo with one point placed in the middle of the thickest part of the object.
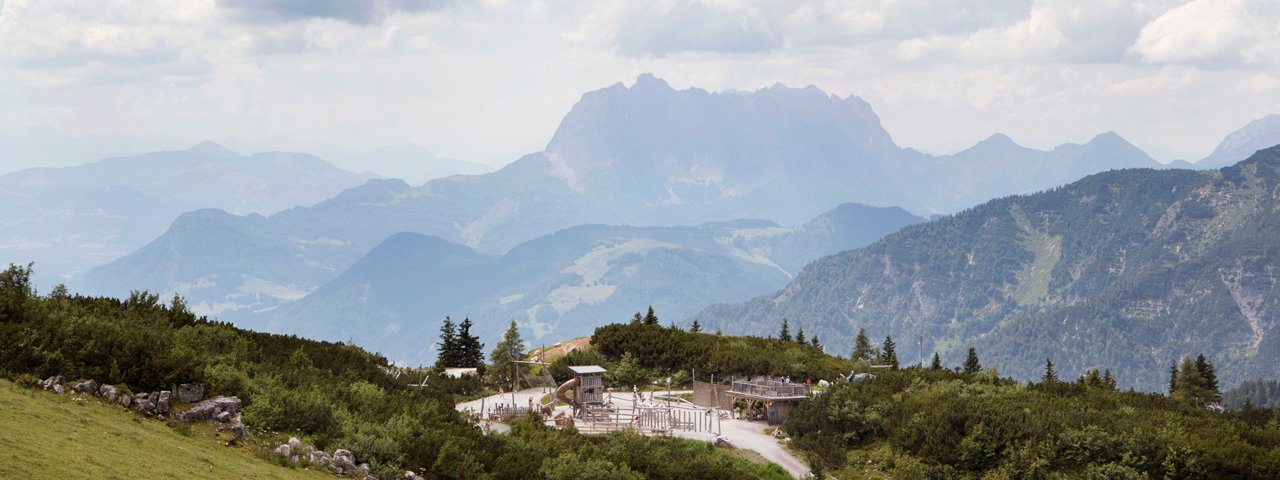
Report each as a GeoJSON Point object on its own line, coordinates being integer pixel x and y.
{"type": "Point", "coordinates": [1125, 270]}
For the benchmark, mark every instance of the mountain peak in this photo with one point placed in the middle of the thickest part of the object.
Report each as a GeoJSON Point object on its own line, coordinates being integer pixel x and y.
{"type": "Point", "coordinates": [998, 140]}
{"type": "Point", "coordinates": [1240, 144]}
{"type": "Point", "coordinates": [212, 149]}
{"type": "Point", "coordinates": [1107, 137]}
{"type": "Point", "coordinates": [647, 81]}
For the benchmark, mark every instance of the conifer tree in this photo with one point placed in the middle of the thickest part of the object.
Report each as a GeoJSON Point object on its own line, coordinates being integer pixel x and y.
{"type": "Point", "coordinates": [1191, 388]}
{"type": "Point", "coordinates": [937, 362]}
{"type": "Point", "coordinates": [470, 350]}
{"type": "Point", "coordinates": [505, 353]}
{"type": "Point", "coordinates": [800, 336]}
{"type": "Point", "coordinates": [696, 327]}
{"type": "Point", "coordinates": [1050, 376]}
{"type": "Point", "coordinates": [637, 319]}
{"type": "Point", "coordinates": [1109, 380]}
{"type": "Point", "coordinates": [971, 363]}
{"type": "Point", "coordinates": [889, 354]}
{"type": "Point", "coordinates": [650, 318]}
{"type": "Point", "coordinates": [785, 334]}
{"type": "Point", "coordinates": [447, 355]}
{"type": "Point", "coordinates": [1210, 379]}
{"type": "Point", "coordinates": [815, 343]}
{"type": "Point", "coordinates": [1173, 379]}
{"type": "Point", "coordinates": [1092, 378]}
{"type": "Point", "coordinates": [862, 347]}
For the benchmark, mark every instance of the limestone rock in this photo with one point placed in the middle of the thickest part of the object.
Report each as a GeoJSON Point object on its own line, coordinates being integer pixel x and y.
{"type": "Point", "coordinates": [58, 389]}
{"type": "Point", "coordinates": [223, 417]}
{"type": "Point", "coordinates": [319, 457]}
{"type": "Point", "coordinates": [108, 392]}
{"type": "Point", "coordinates": [191, 392]}
{"type": "Point", "coordinates": [283, 450]}
{"type": "Point", "coordinates": [144, 406]}
{"type": "Point", "coordinates": [295, 444]}
{"type": "Point", "coordinates": [237, 429]}
{"type": "Point", "coordinates": [162, 402]}
{"type": "Point", "coordinates": [125, 400]}
{"type": "Point", "coordinates": [51, 382]}
{"type": "Point", "coordinates": [211, 408]}
{"type": "Point", "coordinates": [87, 386]}
{"type": "Point", "coordinates": [342, 463]}
{"type": "Point", "coordinates": [409, 475]}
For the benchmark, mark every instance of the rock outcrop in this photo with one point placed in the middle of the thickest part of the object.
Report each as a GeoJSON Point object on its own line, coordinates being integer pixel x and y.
{"type": "Point", "coordinates": [87, 386]}
{"type": "Point", "coordinates": [211, 408]}
{"type": "Point", "coordinates": [51, 382]}
{"type": "Point", "coordinates": [191, 392]}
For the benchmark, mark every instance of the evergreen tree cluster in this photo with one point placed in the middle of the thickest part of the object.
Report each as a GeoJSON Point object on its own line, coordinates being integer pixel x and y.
{"type": "Point", "coordinates": [458, 347]}
{"type": "Point", "coordinates": [1194, 382]}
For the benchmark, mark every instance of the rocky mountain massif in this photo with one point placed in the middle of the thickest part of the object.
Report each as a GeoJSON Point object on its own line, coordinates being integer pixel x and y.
{"type": "Point", "coordinates": [645, 155]}
{"type": "Point", "coordinates": [1126, 270]}
{"type": "Point", "coordinates": [70, 219]}
{"type": "Point", "coordinates": [565, 284]}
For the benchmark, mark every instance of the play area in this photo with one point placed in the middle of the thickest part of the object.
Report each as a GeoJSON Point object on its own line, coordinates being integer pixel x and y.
{"type": "Point", "coordinates": [738, 413]}
{"type": "Point", "coordinates": [590, 406]}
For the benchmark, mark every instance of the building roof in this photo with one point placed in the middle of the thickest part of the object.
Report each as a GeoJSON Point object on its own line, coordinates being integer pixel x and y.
{"type": "Point", "coordinates": [586, 369]}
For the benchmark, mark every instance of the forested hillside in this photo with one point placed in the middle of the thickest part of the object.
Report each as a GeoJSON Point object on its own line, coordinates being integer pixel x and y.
{"type": "Point", "coordinates": [1128, 269]}
{"type": "Point", "coordinates": [332, 395]}
{"type": "Point", "coordinates": [938, 424]}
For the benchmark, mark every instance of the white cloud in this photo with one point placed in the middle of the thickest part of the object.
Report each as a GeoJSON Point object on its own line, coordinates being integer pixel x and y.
{"type": "Point", "coordinates": [489, 81]}
{"type": "Point", "coordinates": [1210, 32]}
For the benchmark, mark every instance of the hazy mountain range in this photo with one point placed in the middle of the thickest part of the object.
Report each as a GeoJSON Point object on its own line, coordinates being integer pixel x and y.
{"type": "Point", "coordinates": [645, 155]}
{"type": "Point", "coordinates": [565, 284]}
{"type": "Point", "coordinates": [71, 218]}
{"type": "Point", "coordinates": [1127, 270]}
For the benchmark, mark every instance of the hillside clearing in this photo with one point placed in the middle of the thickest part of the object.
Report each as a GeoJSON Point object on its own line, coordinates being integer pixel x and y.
{"type": "Point", "coordinates": [45, 435]}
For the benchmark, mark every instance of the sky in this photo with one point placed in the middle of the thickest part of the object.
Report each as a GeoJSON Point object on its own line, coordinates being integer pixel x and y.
{"type": "Point", "coordinates": [488, 80]}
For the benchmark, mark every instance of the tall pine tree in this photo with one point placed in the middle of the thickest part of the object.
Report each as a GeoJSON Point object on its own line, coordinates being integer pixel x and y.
{"type": "Point", "coordinates": [971, 363]}
{"type": "Point", "coordinates": [1191, 386]}
{"type": "Point", "coordinates": [1050, 375]}
{"type": "Point", "coordinates": [888, 353]}
{"type": "Point", "coordinates": [937, 362]}
{"type": "Point", "coordinates": [785, 334]}
{"type": "Point", "coordinates": [650, 318]}
{"type": "Point", "coordinates": [470, 350]}
{"type": "Point", "coordinates": [1210, 379]}
{"type": "Point", "coordinates": [696, 327]}
{"type": "Point", "coordinates": [447, 355]}
{"type": "Point", "coordinates": [504, 355]}
{"type": "Point", "coordinates": [800, 336]}
{"type": "Point", "coordinates": [1173, 379]}
{"type": "Point", "coordinates": [862, 347]}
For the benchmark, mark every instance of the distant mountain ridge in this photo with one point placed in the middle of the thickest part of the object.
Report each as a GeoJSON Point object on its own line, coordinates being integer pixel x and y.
{"type": "Point", "coordinates": [1257, 135]}
{"type": "Point", "coordinates": [71, 218]}
{"type": "Point", "coordinates": [1126, 270]}
{"type": "Point", "coordinates": [645, 155]}
{"type": "Point", "coordinates": [560, 285]}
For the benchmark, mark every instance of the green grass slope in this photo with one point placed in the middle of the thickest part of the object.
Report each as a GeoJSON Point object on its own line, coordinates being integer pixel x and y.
{"type": "Point", "coordinates": [43, 435]}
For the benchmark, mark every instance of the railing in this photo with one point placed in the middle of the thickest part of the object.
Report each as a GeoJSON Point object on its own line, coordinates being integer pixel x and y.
{"type": "Point", "coordinates": [770, 389]}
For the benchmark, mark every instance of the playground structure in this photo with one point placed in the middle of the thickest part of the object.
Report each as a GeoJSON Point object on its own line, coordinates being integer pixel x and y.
{"type": "Point", "coordinates": [597, 410]}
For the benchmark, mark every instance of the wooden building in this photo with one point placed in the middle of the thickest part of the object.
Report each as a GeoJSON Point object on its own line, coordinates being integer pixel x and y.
{"type": "Point", "coordinates": [778, 398]}
{"type": "Point", "coordinates": [590, 387]}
